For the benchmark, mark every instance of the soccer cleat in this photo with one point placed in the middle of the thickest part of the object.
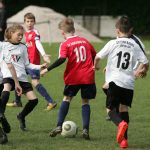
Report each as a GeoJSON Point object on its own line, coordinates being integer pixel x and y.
{"type": "Point", "coordinates": [122, 127]}
{"type": "Point", "coordinates": [51, 106]}
{"type": "Point", "coordinates": [22, 123]}
{"type": "Point", "coordinates": [85, 134]}
{"type": "Point", "coordinates": [124, 143]}
{"type": "Point", "coordinates": [14, 104]}
{"type": "Point", "coordinates": [3, 137]}
{"type": "Point", "coordinates": [5, 125]}
{"type": "Point", "coordinates": [55, 131]}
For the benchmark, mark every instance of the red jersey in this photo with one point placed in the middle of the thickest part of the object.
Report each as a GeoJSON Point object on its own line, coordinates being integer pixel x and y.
{"type": "Point", "coordinates": [80, 54]}
{"type": "Point", "coordinates": [30, 37]}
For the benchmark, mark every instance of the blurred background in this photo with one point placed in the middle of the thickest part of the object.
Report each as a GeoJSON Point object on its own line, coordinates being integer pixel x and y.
{"type": "Point", "coordinates": [97, 16]}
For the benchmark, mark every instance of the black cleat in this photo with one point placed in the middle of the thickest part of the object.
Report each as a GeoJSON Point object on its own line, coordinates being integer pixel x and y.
{"type": "Point", "coordinates": [22, 123]}
{"type": "Point", "coordinates": [85, 134]}
{"type": "Point", "coordinates": [55, 131]}
{"type": "Point", "coordinates": [5, 125]}
{"type": "Point", "coordinates": [3, 137]}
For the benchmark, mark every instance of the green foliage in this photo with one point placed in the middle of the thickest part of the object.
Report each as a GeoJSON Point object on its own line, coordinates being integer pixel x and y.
{"type": "Point", "coordinates": [102, 132]}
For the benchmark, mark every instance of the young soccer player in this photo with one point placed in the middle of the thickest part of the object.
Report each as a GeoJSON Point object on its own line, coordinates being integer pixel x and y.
{"type": "Point", "coordinates": [122, 55]}
{"type": "Point", "coordinates": [35, 48]}
{"type": "Point", "coordinates": [4, 125]}
{"type": "Point", "coordinates": [79, 74]}
{"type": "Point", "coordinates": [16, 53]}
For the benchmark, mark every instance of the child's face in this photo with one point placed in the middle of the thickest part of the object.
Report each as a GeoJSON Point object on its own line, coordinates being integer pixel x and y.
{"type": "Point", "coordinates": [29, 23]}
{"type": "Point", "coordinates": [17, 36]}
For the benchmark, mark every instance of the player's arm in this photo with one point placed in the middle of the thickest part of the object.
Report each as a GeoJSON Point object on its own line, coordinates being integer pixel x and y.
{"type": "Point", "coordinates": [57, 63]}
{"type": "Point", "coordinates": [29, 65]}
{"type": "Point", "coordinates": [141, 70]}
{"type": "Point", "coordinates": [96, 63]}
{"type": "Point", "coordinates": [40, 48]}
{"type": "Point", "coordinates": [14, 76]}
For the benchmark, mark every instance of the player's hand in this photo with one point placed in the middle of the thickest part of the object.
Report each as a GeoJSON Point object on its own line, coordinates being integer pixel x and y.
{"type": "Point", "coordinates": [96, 67]}
{"type": "Point", "coordinates": [43, 72]}
{"type": "Point", "coordinates": [140, 74]}
{"type": "Point", "coordinates": [46, 58]}
{"type": "Point", "coordinates": [43, 66]}
{"type": "Point", "coordinates": [18, 89]}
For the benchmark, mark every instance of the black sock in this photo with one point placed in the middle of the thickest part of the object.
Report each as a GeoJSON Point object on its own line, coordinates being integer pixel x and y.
{"type": "Point", "coordinates": [125, 117]}
{"type": "Point", "coordinates": [114, 116]}
{"type": "Point", "coordinates": [28, 108]}
{"type": "Point", "coordinates": [4, 100]}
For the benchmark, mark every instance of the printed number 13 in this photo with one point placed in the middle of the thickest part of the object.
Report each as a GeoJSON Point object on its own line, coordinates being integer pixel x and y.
{"type": "Point", "coordinates": [80, 53]}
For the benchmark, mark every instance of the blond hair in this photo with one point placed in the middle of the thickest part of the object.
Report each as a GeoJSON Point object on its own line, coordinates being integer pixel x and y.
{"type": "Point", "coordinates": [12, 29]}
{"type": "Point", "coordinates": [29, 16]}
{"type": "Point", "coordinates": [67, 25]}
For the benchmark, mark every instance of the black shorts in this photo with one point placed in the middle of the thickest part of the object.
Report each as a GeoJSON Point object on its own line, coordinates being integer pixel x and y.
{"type": "Point", "coordinates": [88, 91]}
{"type": "Point", "coordinates": [117, 95]}
{"type": "Point", "coordinates": [26, 86]}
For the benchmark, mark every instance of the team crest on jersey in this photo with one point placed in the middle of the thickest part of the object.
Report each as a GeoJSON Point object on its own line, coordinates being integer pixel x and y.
{"type": "Point", "coordinates": [15, 58]}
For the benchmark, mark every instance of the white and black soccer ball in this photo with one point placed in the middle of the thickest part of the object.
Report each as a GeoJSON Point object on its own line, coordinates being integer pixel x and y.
{"type": "Point", "coordinates": [69, 129]}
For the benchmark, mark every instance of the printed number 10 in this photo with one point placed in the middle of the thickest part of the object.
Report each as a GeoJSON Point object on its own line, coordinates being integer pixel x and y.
{"type": "Point", "coordinates": [80, 53]}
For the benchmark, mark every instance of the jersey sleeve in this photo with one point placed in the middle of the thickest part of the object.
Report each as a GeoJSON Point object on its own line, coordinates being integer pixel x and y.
{"type": "Point", "coordinates": [37, 35]}
{"type": "Point", "coordinates": [6, 56]}
{"type": "Point", "coordinates": [62, 51]}
{"type": "Point", "coordinates": [105, 50]}
{"type": "Point", "coordinates": [25, 56]}
{"type": "Point", "coordinates": [140, 55]}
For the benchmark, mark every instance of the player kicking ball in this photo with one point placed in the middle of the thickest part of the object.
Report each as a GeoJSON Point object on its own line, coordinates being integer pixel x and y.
{"type": "Point", "coordinates": [79, 74]}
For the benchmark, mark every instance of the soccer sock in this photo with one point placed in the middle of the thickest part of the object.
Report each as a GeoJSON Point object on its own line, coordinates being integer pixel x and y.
{"type": "Point", "coordinates": [44, 93]}
{"type": "Point", "coordinates": [63, 112]}
{"type": "Point", "coordinates": [114, 116]}
{"type": "Point", "coordinates": [28, 107]}
{"type": "Point", "coordinates": [4, 100]}
{"type": "Point", "coordinates": [18, 98]}
{"type": "Point", "coordinates": [125, 117]}
{"type": "Point", "coordinates": [86, 111]}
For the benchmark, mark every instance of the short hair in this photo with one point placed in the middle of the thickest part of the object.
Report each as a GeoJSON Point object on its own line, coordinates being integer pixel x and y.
{"type": "Point", "coordinates": [29, 16]}
{"type": "Point", "coordinates": [12, 29]}
{"type": "Point", "coordinates": [67, 25]}
{"type": "Point", "coordinates": [124, 24]}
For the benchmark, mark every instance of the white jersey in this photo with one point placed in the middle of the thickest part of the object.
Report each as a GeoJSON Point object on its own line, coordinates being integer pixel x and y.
{"type": "Point", "coordinates": [1, 77]}
{"type": "Point", "coordinates": [123, 54]}
{"type": "Point", "coordinates": [17, 55]}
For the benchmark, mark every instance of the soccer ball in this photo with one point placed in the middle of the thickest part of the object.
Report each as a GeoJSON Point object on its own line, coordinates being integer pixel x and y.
{"type": "Point", "coordinates": [69, 129]}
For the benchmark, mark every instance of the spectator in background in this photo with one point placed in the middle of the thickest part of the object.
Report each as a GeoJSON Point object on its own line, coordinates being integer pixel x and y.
{"type": "Point", "coordinates": [2, 20]}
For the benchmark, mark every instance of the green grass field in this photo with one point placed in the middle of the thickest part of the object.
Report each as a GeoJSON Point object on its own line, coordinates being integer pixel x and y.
{"type": "Point", "coordinates": [103, 133]}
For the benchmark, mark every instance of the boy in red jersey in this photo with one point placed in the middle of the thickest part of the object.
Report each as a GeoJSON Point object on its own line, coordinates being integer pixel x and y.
{"type": "Point", "coordinates": [35, 48]}
{"type": "Point", "coordinates": [79, 74]}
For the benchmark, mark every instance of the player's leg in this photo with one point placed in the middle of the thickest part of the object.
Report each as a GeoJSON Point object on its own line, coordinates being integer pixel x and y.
{"type": "Point", "coordinates": [35, 75]}
{"type": "Point", "coordinates": [125, 116]}
{"type": "Point", "coordinates": [8, 86]}
{"type": "Point", "coordinates": [43, 92]}
{"type": "Point", "coordinates": [69, 92]}
{"type": "Point", "coordinates": [87, 92]}
{"type": "Point", "coordinates": [30, 105]}
{"type": "Point", "coordinates": [114, 97]}
{"type": "Point", "coordinates": [17, 102]}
